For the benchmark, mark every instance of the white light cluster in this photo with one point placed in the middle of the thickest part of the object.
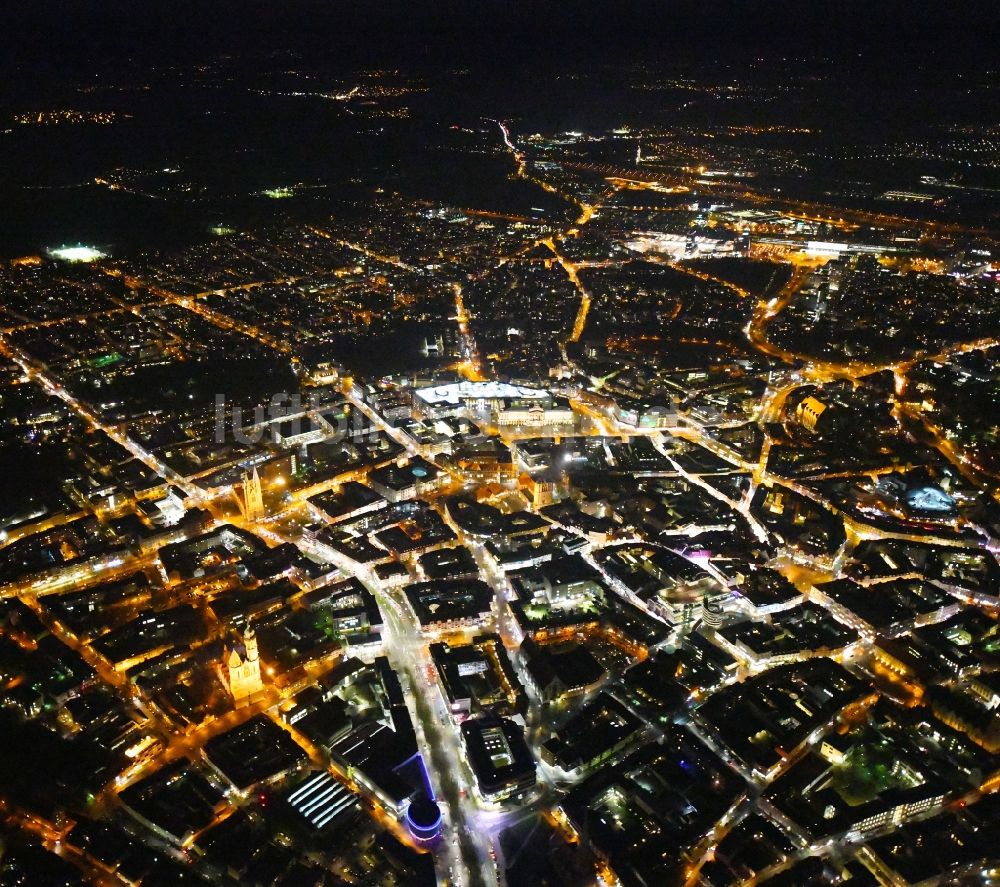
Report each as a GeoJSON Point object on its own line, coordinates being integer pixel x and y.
{"type": "Point", "coordinates": [76, 254]}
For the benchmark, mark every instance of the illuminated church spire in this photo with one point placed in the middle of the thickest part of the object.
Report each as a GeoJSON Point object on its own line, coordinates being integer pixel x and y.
{"type": "Point", "coordinates": [250, 497]}
{"type": "Point", "coordinates": [244, 670]}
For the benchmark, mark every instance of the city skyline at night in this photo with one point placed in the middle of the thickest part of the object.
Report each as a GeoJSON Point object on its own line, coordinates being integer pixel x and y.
{"type": "Point", "coordinates": [501, 444]}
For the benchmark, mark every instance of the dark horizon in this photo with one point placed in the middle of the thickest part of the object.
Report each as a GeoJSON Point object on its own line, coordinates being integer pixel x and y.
{"type": "Point", "coordinates": [85, 35]}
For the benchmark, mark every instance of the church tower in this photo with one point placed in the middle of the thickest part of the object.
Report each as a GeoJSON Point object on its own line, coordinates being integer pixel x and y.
{"type": "Point", "coordinates": [250, 497]}
{"type": "Point", "coordinates": [244, 671]}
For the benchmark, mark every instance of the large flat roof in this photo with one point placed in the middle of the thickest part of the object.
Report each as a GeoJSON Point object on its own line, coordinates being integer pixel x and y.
{"type": "Point", "coordinates": [456, 392]}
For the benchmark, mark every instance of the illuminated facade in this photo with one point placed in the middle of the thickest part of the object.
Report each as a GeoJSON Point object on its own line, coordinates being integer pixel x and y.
{"type": "Point", "coordinates": [250, 497]}
{"type": "Point", "coordinates": [244, 678]}
{"type": "Point", "coordinates": [809, 411]}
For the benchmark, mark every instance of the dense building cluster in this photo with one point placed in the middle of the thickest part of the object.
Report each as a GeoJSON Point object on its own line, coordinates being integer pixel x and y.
{"type": "Point", "coordinates": [644, 537]}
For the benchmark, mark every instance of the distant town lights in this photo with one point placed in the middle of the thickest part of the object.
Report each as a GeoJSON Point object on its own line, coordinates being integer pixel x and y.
{"type": "Point", "coordinates": [76, 254]}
